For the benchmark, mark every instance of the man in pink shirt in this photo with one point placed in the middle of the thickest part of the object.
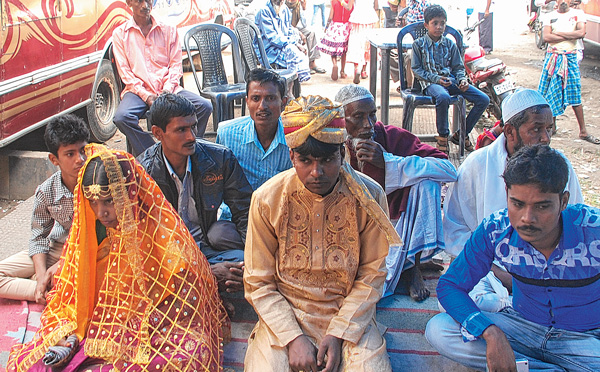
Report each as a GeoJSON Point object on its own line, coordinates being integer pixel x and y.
{"type": "Point", "coordinates": [148, 57]}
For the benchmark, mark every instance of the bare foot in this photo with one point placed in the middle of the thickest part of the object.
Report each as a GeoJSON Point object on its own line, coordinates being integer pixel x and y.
{"type": "Point", "coordinates": [430, 265]}
{"type": "Point", "coordinates": [343, 75]}
{"type": "Point", "coordinates": [334, 73]}
{"type": "Point", "coordinates": [229, 308]}
{"type": "Point", "coordinates": [356, 77]}
{"type": "Point", "coordinates": [416, 287]}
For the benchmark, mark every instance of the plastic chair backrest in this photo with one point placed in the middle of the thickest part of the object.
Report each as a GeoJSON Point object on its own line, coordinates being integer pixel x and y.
{"type": "Point", "coordinates": [246, 37]}
{"type": "Point", "coordinates": [251, 40]}
{"type": "Point", "coordinates": [207, 38]}
{"type": "Point", "coordinates": [416, 30]}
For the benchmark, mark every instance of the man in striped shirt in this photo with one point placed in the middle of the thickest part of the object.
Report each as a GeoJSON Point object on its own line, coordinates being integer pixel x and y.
{"type": "Point", "coordinates": [257, 141]}
{"type": "Point", "coordinates": [550, 249]}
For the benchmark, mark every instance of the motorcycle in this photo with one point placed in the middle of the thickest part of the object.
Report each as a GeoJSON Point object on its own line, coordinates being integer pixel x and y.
{"type": "Point", "coordinates": [536, 22]}
{"type": "Point", "coordinates": [489, 75]}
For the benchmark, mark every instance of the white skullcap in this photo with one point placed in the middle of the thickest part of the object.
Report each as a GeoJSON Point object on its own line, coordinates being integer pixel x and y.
{"type": "Point", "coordinates": [520, 100]}
{"type": "Point", "coordinates": [351, 93]}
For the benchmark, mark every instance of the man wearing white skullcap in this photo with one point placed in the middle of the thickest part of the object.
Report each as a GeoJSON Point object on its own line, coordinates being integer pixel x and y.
{"type": "Point", "coordinates": [411, 173]}
{"type": "Point", "coordinates": [480, 189]}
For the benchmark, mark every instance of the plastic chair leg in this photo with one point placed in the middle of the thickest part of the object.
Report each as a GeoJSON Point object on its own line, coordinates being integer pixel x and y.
{"type": "Point", "coordinates": [296, 88]}
{"type": "Point", "coordinates": [462, 115]}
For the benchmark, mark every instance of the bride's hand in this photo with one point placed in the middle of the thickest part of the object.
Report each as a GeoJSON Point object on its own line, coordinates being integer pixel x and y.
{"type": "Point", "coordinates": [61, 354]}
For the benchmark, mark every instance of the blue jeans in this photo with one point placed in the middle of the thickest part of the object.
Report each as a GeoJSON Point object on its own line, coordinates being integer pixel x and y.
{"type": "Point", "coordinates": [132, 108]}
{"type": "Point", "coordinates": [314, 15]}
{"type": "Point", "coordinates": [546, 348]}
{"type": "Point", "coordinates": [441, 97]}
{"type": "Point", "coordinates": [224, 243]}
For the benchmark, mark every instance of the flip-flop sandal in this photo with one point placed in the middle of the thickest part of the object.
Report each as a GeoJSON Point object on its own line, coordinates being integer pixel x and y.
{"type": "Point", "coordinates": [318, 70]}
{"type": "Point", "coordinates": [363, 75]}
{"type": "Point", "coordinates": [334, 73]}
{"type": "Point", "coordinates": [591, 139]}
{"type": "Point", "coordinates": [343, 75]}
{"type": "Point", "coordinates": [356, 78]}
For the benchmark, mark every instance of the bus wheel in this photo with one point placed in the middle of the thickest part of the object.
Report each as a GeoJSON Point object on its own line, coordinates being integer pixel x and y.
{"type": "Point", "coordinates": [105, 99]}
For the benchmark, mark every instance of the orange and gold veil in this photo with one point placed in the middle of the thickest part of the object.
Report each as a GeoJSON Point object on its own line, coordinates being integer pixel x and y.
{"type": "Point", "coordinates": [155, 303]}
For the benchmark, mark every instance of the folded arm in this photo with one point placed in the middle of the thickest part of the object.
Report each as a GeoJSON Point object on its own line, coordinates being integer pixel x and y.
{"type": "Point", "coordinates": [556, 36]}
{"type": "Point", "coordinates": [406, 171]}
{"type": "Point", "coordinates": [456, 64]}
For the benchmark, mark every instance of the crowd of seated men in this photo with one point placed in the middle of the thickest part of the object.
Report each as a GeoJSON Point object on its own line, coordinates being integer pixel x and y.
{"type": "Point", "coordinates": [315, 210]}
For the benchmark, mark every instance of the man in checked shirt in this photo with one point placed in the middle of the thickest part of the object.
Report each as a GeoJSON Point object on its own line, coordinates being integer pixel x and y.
{"type": "Point", "coordinates": [28, 275]}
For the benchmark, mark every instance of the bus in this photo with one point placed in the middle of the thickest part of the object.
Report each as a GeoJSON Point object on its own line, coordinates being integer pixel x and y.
{"type": "Point", "coordinates": [54, 58]}
{"type": "Point", "coordinates": [592, 27]}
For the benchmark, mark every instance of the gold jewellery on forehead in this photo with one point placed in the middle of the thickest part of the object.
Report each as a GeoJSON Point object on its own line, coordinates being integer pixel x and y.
{"type": "Point", "coordinates": [95, 191]}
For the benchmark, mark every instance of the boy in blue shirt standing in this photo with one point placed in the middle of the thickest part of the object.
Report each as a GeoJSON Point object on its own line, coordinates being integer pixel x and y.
{"type": "Point", "coordinates": [438, 65]}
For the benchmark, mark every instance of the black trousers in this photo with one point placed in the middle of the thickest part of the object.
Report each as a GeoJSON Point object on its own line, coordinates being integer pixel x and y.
{"type": "Point", "coordinates": [486, 32]}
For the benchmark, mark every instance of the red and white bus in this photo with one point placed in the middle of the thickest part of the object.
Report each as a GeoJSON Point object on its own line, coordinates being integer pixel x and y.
{"type": "Point", "coordinates": [54, 58]}
{"type": "Point", "coordinates": [592, 27]}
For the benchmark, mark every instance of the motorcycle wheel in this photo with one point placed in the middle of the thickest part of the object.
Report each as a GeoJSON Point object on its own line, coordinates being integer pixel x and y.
{"type": "Point", "coordinates": [539, 39]}
{"type": "Point", "coordinates": [494, 107]}
{"type": "Point", "coordinates": [538, 32]}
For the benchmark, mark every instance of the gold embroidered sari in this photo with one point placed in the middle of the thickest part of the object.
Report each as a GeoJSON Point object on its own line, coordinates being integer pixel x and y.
{"type": "Point", "coordinates": [157, 307]}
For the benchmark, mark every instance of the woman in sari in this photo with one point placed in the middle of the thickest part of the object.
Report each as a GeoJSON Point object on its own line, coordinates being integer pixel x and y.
{"type": "Point", "coordinates": [133, 292]}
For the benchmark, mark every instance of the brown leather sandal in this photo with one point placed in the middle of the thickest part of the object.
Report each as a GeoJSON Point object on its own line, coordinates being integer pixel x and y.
{"type": "Point", "coordinates": [442, 144]}
{"type": "Point", "coordinates": [455, 139]}
{"type": "Point", "coordinates": [469, 145]}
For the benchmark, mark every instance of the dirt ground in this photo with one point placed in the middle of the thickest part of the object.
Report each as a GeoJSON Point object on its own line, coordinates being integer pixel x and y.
{"type": "Point", "coordinates": [524, 62]}
{"type": "Point", "coordinates": [7, 206]}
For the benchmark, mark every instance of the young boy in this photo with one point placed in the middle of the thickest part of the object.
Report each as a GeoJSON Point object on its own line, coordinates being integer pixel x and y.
{"type": "Point", "coordinates": [438, 65]}
{"type": "Point", "coordinates": [66, 137]}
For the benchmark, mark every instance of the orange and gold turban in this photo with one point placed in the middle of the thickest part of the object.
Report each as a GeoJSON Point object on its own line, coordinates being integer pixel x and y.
{"type": "Point", "coordinates": [313, 116]}
{"type": "Point", "coordinates": [322, 119]}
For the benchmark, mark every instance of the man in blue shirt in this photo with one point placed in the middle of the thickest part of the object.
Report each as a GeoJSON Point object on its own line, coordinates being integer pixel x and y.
{"type": "Point", "coordinates": [258, 141]}
{"type": "Point", "coordinates": [552, 252]}
{"type": "Point", "coordinates": [282, 41]}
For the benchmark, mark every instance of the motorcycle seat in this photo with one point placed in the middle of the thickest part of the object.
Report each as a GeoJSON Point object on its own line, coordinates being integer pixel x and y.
{"type": "Point", "coordinates": [483, 64]}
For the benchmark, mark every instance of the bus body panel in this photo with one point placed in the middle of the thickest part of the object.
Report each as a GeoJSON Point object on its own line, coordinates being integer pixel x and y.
{"type": "Point", "coordinates": [51, 53]}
